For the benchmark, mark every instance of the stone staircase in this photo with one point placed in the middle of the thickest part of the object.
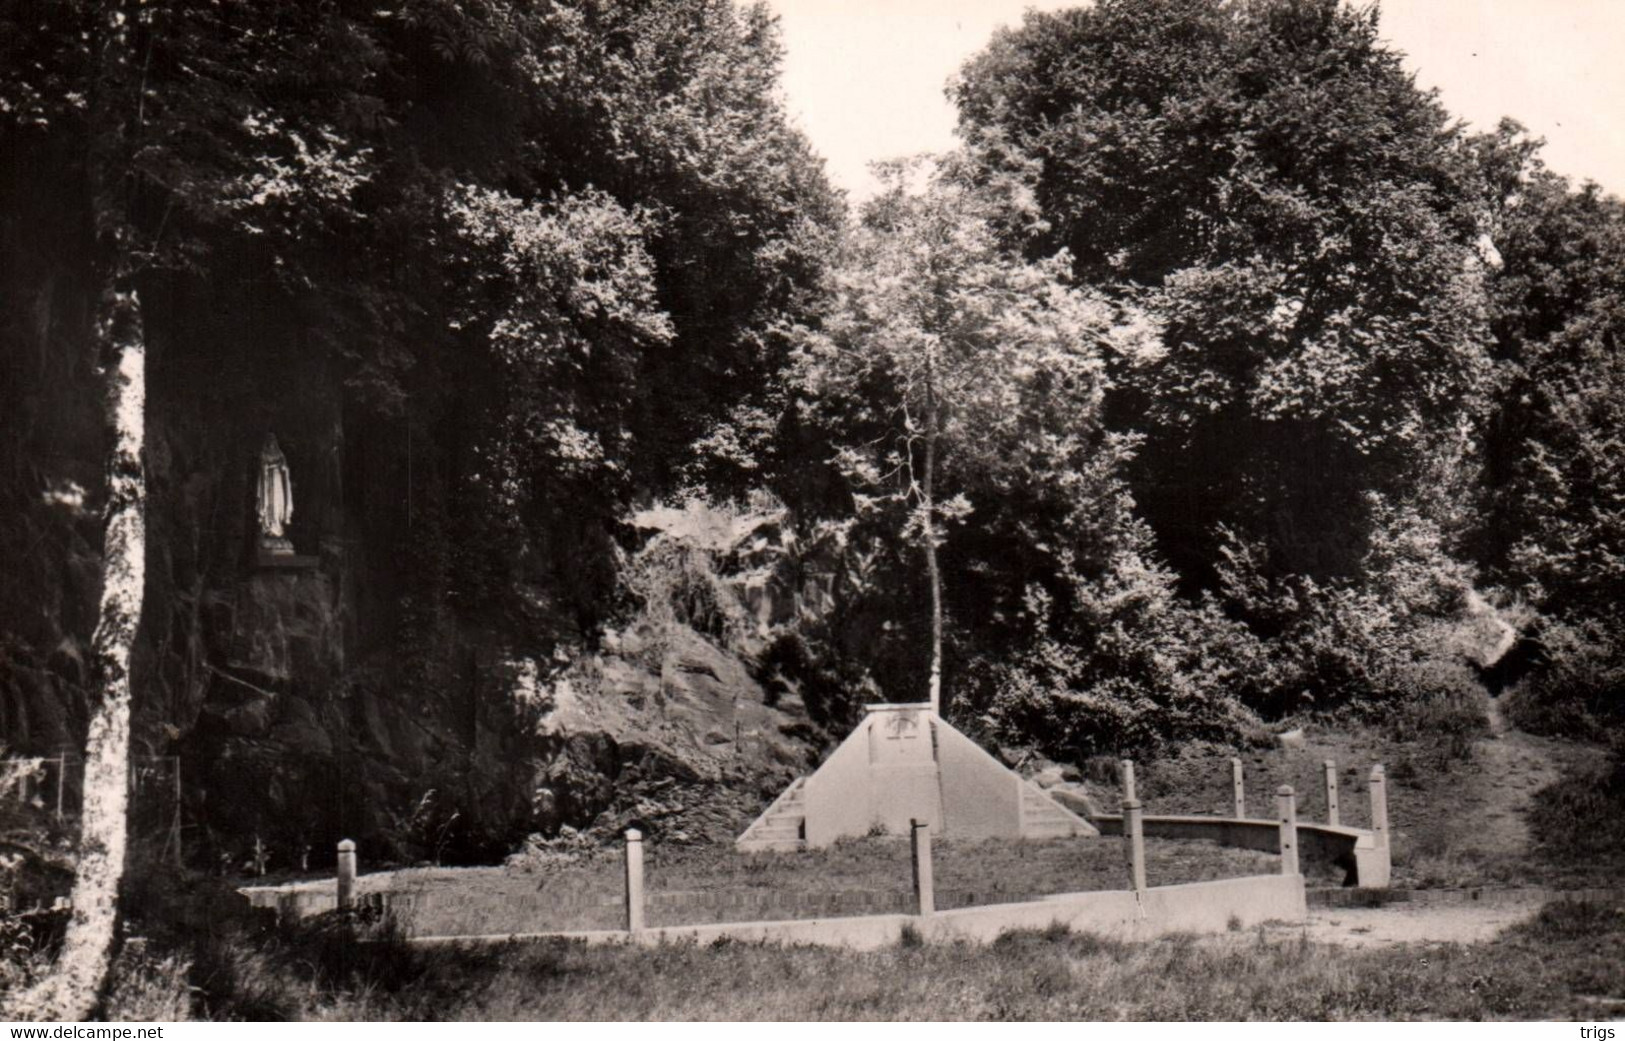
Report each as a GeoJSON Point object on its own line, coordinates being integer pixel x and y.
{"type": "Point", "coordinates": [782, 826]}
{"type": "Point", "coordinates": [1044, 818]}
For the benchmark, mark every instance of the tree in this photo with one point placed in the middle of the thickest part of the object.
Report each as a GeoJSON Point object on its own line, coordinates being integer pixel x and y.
{"type": "Point", "coordinates": [956, 384]}
{"type": "Point", "coordinates": [71, 990]}
{"type": "Point", "coordinates": [1554, 518]}
{"type": "Point", "coordinates": [1268, 180]}
{"type": "Point", "coordinates": [1552, 528]}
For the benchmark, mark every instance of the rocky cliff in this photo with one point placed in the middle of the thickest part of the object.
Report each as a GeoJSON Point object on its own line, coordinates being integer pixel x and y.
{"type": "Point", "coordinates": [345, 692]}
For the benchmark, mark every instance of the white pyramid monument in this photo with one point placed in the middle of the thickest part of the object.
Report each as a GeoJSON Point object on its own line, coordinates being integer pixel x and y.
{"type": "Point", "coordinates": [902, 763]}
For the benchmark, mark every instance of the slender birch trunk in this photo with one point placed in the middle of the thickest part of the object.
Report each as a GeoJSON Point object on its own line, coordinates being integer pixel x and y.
{"type": "Point", "coordinates": [932, 571]}
{"type": "Point", "coordinates": [71, 991]}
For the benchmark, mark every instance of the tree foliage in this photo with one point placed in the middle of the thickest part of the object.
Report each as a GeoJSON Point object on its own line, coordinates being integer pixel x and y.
{"type": "Point", "coordinates": [1552, 527]}
{"type": "Point", "coordinates": [551, 240]}
{"type": "Point", "coordinates": [1554, 489]}
{"type": "Point", "coordinates": [1268, 179]}
{"type": "Point", "coordinates": [1219, 368]}
{"type": "Point", "coordinates": [960, 390]}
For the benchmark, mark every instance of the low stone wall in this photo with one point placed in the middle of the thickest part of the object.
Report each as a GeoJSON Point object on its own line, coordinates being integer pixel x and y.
{"type": "Point", "coordinates": [291, 903]}
{"type": "Point", "coordinates": [1194, 907]}
{"type": "Point", "coordinates": [449, 912]}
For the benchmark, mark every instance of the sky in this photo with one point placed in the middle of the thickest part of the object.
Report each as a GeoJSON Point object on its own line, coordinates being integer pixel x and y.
{"type": "Point", "coordinates": [864, 78]}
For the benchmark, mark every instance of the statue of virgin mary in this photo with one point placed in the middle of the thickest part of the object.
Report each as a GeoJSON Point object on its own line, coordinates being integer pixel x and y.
{"type": "Point", "coordinates": [275, 497]}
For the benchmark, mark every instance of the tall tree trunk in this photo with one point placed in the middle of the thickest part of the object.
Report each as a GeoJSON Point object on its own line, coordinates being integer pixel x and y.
{"type": "Point", "coordinates": [932, 571]}
{"type": "Point", "coordinates": [73, 988]}
{"type": "Point", "coordinates": [71, 991]}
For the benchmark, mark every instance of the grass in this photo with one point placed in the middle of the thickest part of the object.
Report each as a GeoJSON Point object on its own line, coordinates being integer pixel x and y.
{"type": "Point", "coordinates": [1567, 963]}
{"type": "Point", "coordinates": [1583, 817]}
{"type": "Point", "coordinates": [692, 884]}
{"type": "Point", "coordinates": [1575, 830]}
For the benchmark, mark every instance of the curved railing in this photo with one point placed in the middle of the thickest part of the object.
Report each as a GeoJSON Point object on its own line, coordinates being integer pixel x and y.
{"type": "Point", "coordinates": [1325, 846]}
{"type": "Point", "coordinates": [1361, 853]}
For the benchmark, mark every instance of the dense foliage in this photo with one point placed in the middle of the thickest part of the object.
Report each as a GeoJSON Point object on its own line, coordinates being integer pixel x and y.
{"type": "Point", "coordinates": [1370, 323]}
{"type": "Point", "coordinates": [956, 393]}
{"type": "Point", "coordinates": [1553, 494]}
{"type": "Point", "coordinates": [1269, 179]}
{"type": "Point", "coordinates": [505, 224]}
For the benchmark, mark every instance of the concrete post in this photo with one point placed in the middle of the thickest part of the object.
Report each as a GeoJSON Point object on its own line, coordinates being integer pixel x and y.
{"type": "Point", "coordinates": [1379, 806]}
{"type": "Point", "coordinates": [919, 833]}
{"type": "Point", "coordinates": [1286, 805]}
{"type": "Point", "coordinates": [61, 779]}
{"type": "Point", "coordinates": [634, 880]}
{"type": "Point", "coordinates": [346, 875]}
{"type": "Point", "coordinates": [1134, 843]}
{"type": "Point", "coordinates": [1238, 789]}
{"type": "Point", "coordinates": [1128, 781]}
{"type": "Point", "coordinates": [1331, 793]}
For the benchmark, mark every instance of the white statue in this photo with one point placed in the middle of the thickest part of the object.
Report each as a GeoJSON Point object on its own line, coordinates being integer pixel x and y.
{"type": "Point", "coordinates": [275, 494]}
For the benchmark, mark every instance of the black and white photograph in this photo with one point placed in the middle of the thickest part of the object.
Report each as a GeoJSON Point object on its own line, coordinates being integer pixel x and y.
{"type": "Point", "coordinates": [965, 511]}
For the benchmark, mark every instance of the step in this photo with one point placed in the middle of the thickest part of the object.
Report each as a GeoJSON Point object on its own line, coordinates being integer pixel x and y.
{"type": "Point", "coordinates": [1066, 827]}
{"type": "Point", "coordinates": [771, 845]}
{"type": "Point", "coordinates": [1050, 829]}
{"type": "Point", "coordinates": [1042, 817]}
{"type": "Point", "coordinates": [791, 821]}
{"type": "Point", "coordinates": [1045, 809]}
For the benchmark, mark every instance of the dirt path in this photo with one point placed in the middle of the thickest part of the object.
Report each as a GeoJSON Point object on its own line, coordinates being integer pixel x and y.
{"type": "Point", "coordinates": [1397, 923]}
{"type": "Point", "coordinates": [1491, 822]}
{"type": "Point", "coordinates": [1515, 766]}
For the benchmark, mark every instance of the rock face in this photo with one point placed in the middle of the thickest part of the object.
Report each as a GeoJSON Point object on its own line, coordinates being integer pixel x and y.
{"type": "Point", "coordinates": [1483, 636]}
{"type": "Point", "coordinates": [331, 698]}
{"type": "Point", "coordinates": [618, 732]}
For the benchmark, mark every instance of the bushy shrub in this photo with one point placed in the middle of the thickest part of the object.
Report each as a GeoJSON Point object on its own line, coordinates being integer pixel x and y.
{"type": "Point", "coordinates": [802, 660]}
{"type": "Point", "coordinates": [1438, 705]}
{"type": "Point", "coordinates": [1131, 666]}
{"type": "Point", "coordinates": [1401, 636]}
{"type": "Point", "coordinates": [196, 951]}
{"type": "Point", "coordinates": [1577, 685]}
{"type": "Point", "coordinates": [22, 959]}
{"type": "Point", "coordinates": [36, 867]}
